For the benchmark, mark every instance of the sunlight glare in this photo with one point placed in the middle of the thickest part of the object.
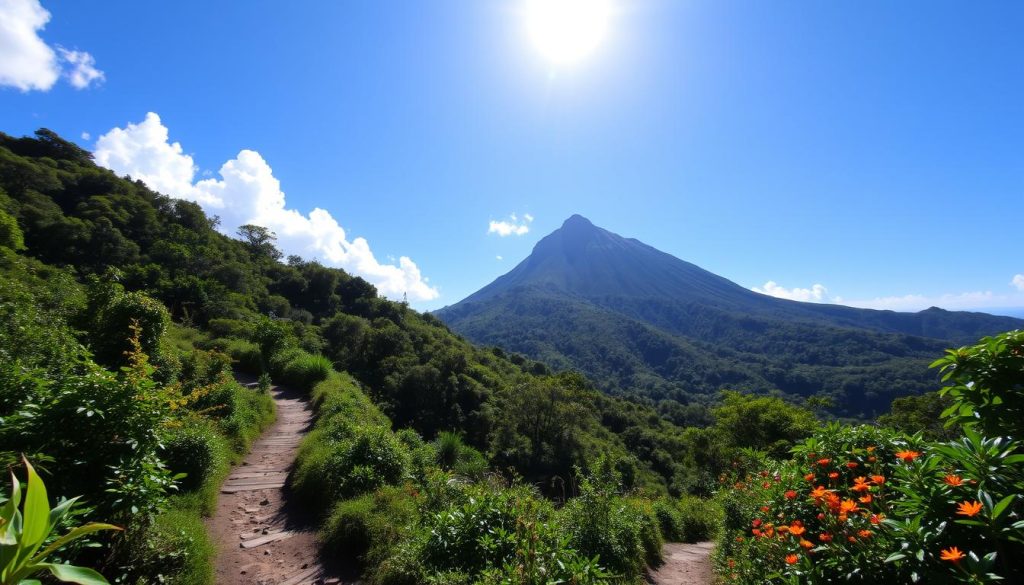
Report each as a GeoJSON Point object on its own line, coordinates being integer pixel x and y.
{"type": "Point", "coordinates": [566, 31]}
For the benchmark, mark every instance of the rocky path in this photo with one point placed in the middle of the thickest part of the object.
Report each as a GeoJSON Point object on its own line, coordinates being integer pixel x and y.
{"type": "Point", "coordinates": [262, 539]}
{"type": "Point", "coordinates": [685, 564]}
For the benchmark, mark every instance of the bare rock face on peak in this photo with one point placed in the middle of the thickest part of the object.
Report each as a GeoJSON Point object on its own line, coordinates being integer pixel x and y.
{"type": "Point", "coordinates": [642, 321]}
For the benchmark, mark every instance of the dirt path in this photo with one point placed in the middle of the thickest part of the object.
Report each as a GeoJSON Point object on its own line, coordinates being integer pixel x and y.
{"type": "Point", "coordinates": [262, 539]}
{"type": "Point", "coordinates": [685, 564]}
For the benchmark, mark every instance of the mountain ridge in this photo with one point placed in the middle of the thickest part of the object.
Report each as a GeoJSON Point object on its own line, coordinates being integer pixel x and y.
{"type": "Point", "coordinates": [694, 327]}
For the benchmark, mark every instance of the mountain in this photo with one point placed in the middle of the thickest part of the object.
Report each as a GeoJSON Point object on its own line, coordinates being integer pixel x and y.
{"type": "Point", "coordinates": [639, 320]}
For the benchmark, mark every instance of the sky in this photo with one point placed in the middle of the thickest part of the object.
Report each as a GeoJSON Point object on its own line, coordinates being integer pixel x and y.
{"type": "Point", "coordinates": [867, 153]}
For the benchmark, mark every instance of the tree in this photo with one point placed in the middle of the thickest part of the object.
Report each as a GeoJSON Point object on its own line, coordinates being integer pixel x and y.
{"type": "Point", "coordinates": [260, 241]}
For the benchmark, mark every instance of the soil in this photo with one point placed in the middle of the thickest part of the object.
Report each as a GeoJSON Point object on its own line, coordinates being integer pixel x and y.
{"type": "Point", "coordinates": [685, 564]}
{"type": "Point", "coordinates": [262, 537]}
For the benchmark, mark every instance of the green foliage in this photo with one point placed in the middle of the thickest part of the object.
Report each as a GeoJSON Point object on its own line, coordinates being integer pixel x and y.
{"type": "Point", "coordinates": [986, 384]}
{"type": "Point", "coordinates": [25, 528]}
{"type": "Point", "coordinates": [306, 370]}
{"type": "Point", "coordinates": [370, 526]}
{"type": "Point", "coordinates": [912, 414]}
{"type": "Point", "coordinates": [764, 423]}
{"type": "Point", "coordinates": [700, 519]}
{"type": "Point", "coordinates": [10, 234]}
{"type": "Point", "coordinates": [173, 549]}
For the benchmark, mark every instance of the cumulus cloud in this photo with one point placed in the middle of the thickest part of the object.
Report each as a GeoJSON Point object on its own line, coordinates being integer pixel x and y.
{"type": "Point", "coordinates": [247, 192]}
{"type": "Point", "coordinates": [86, 136]}
{"type": "Point", "coordinates": [83, 70]}
{"type": "Point", "coordinates": [513, 226]}
{"type": "Point", "coordinates": [816, 294]}
{"type": "Point", "coordinates": [1018, 282]}
{"type": "Point", "coordinates": [27, 62]}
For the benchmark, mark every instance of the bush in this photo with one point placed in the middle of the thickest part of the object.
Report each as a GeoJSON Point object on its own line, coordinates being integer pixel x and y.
{"type": "Point", "coordinates": [306, 370]}
{"type": "Point", "coordinates": [602, 524]}
{"type": "Point", "coordinates": [370, 526]}
{"type": "Point", "coordinates": [670, 520]}
{"type": "Point", "coordinates": [245, 353]}
{"type": "Point", "coordinates": [700, 519]}
{"type": "Point", "coordinates": [174, 550]}
{"type": "Point", "coordinates": [190, 450]}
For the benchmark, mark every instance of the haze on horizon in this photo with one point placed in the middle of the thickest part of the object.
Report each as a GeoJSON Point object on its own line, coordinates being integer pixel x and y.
{"type": "Point", "coordinates": [869, 154]}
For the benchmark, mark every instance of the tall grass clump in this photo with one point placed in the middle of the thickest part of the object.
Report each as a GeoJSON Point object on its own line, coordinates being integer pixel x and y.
{"type": "Point", "coordinates": [306, 370]}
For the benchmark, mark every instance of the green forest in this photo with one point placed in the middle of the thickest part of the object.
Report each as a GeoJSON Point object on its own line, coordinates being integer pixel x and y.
{"type": "Point", "coordinates": [125, 312]}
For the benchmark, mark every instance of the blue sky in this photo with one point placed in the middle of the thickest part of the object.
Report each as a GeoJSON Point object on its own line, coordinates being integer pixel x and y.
{"type": "Point", "coordinates": [873, 148]}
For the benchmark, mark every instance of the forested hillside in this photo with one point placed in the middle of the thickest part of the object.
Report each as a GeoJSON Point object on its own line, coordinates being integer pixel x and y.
{"type": "Point", "coordinates": [640, 321]}
{"type": "Point", "coordinates": [125, 309]}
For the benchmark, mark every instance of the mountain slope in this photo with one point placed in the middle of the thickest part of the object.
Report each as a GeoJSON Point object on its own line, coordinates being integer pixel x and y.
{"type": "Point", "coordinates": [640, 320]}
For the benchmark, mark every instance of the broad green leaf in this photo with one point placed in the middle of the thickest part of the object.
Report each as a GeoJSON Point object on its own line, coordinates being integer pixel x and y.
{"type": "Point", "coordinates": [74, 534]}
{"type": "Point", "coordinates": [37, 509]}
{"type": "Point", "coordinates": [73, 574]}
{"type": "Point", "coordinates": [1002, 505]}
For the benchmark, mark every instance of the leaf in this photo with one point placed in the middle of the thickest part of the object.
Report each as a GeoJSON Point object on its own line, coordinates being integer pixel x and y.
{"type": "Point", "coordinates": [74, 534]}
{"type": "Point", "coordinates": [1014, 459]}
{"type": "Point", "coordinates": [1002, 505]}
{"type": "Point", "coordinates": [37, 509]}
{"type": "Point", "coordinates": [73, 574]}
{"type": "Point", "coordinates": [895, 557]}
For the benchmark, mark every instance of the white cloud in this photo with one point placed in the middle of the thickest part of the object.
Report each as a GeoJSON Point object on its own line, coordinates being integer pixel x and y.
{"type": "Point", "coordinates": [26, 61]}
{"type": "Point", "coordinates": [499, 258]}
{"type": "Point", "coordinates": [967, 301]}
{"type": "Point", "coordinates": [511, 227]}
{"type": "Point", "coordinates": [86, 136]}
{"type": "Point", "coordinates": [83, 68]}
{"type": "Point", "coordinates": [248, 192]}
{"type": "Point", "coordinates": [816, 294]}
{"type": "Point", "coordinates": [1018, 282]}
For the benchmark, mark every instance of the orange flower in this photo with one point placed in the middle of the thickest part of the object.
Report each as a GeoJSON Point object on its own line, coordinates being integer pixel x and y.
{"type": "Point", "coordinates": [766, 485]}
{"type": "Point", "coordinates": [952, 554]}
{"type": "Point", "coordinates": [878, 479]}
{"type": "Point", "coordinates": [860, 484]}
{"type": "Point", "coordinates": [865, 533]}
{"type": "Point", "coordinates": [871, 449]}
{"type": "Point", "coordinates": [756, 531]}
{"type": "Point", "coordinates": [907, 456]}
{"type": "Point", "coordinates": [756, 522]}
{"type": "Point", "coordinates": [865, 499]}
{"type": "Point", "coordinates": [783, 529]}
{"type": "Point", "coordinates": [791, 559]}
{"type": "Point", "coordinates": [852, 464]}
{"type": "Point", "coordinates": [809, 477]}
{"type": "Point", "coordinates": [876, 518]}
{"type": "Point", "coordinates": [806, 544]}
{"type": "Point", "coordinates": [819, 492]}
{"type": "Point", "coordinates": [968, 508]}
{"type": "Point", "coordinates": [833, 475]}
{"type": "Point", "coordinates": [824, 462]}
{"type": "Point", "coordinates": [765, 509]}
{"type": "Point", "coordinates": [825, 537]}
{"type": "Point", "coordinates": [953, 480]}
{"type": "Point", "coordinates": [851, 506]}
{"type": "Point", "coordinates": [790, 495]}
{"type": "Point", "coordinates": [796, 530]}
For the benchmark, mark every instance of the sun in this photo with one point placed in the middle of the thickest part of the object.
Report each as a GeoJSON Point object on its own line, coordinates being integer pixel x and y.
{"type": "Point", "coordinates": [567, 31]}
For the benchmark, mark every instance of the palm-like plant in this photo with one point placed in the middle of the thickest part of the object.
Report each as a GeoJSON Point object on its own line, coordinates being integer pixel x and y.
{"type": "Point", "coordinates": [25, 528]}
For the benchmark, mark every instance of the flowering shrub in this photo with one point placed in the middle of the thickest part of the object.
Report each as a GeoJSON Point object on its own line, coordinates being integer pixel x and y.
{"type": "Point", "coordinates": [863, 504]}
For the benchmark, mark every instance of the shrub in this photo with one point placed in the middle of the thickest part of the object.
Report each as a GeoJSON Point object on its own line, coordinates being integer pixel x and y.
{"type": "Point", "coordinates": [190, 450]}
{"type": "Point", "coordinates": [700, 519]}
{"type": "Point", "coordinates": [370, 526]}
{"type": "Point", "coordinates": [245, 353]}
{"type": "Point", "coordinates": [306, 370]}
{"type": "Point", "coordinates": [173, 549]}
{"type": "Point", "coordinates": [670, 520]}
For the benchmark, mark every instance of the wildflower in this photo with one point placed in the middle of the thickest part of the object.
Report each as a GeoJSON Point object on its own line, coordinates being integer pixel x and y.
{"type": "Point", "coordinates": [953, 480]}
{"type": "Point", "coordinates": [865, 499]}
{"type": "Point", "coordinates": [757, 522]}
{"type": "Point", "coordinates": [870, 449]}
{"type": "Point", "coordinates": [968, 508]}
{"type": "Point", "coordinates": [860, 484]}
{"type": "Point", "coordinates": [907, 456]}
{"type": "Point", "coordinates": [809, 477]}
{"type": "Point", "coordinates": [819, 492]}
{"type": "Point", "coordinates": [791, 559]}
{"type": "Point", "coordinates": [852, 464]}
{"type": "Point", "coordinates": [824, 462]}
{"type": "Point", "coordinates": [825, 537]}
{"type": "Point", "coordinates": [952, 554]}
{"type": "Point", "coordinates": [872, 459]}
{"type": "Point", "coordinates": [806, 544]}
{"type": "Point", "coordinates": [876, 518]}
{"type": "Point", "coordinates": [765, 509]}
{"type": "Point", "coordinates": [834, 475]}
{"type": "Point", "coordinates": [766, 485]}
{"type": "Point", "coordinates": [865, 533]}
{"type": "Point", "coordinates": [850, 506]}
{"type": "Point", "coordinates": [878, 479]}
{"type": "Point", "coordinates": [796, 530]}
{"type": "Point", "coordinates": [756, 532]}
{"type": "Point", "coordinates": [790, 495]}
